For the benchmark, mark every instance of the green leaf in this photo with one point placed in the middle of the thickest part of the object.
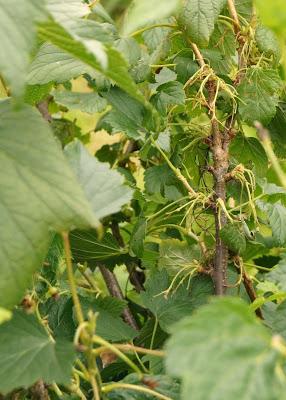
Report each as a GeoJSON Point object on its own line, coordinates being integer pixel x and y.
{"type": "Point", "coordinates": [109, 324]}
{"type": "Point", "coordinates": [54, 64]}
{"type": "Point", "coordinates": [248, 151]}
{"type": "Point", "coordinates": [259, 95]}
{"type": "Point", "coordinates": [60, 313]}
{"type": "Point", "coordinates": [103, 187]}
{"type": "Point", "coordinates": [170, 93]}
{"type": "Point", "coordinates": [236, 346]}
{"type": "Point", "coordinates": [18, 33]}
{"type": "Point", "coordinates": [29, 354]}
{"type": "Point", "coordinates": [278, 274]}
{"type": "Point", "coordinates": [277, 129]}
{"type": "Point", "coordinates": [157, 178]}
{"type": "Point", "coordinates": [142, 12]}
{"type": "Point", "coordinates": [160, 383]}
{"type": "Point", "coordinates": [166, 308]}
{"type": "Point", "coordinates": [35, 93]}
{"type": "Point", "coordinates": [277, 220]}
{"type": "Point", "coordinates": [199, 17]}
{"type": "Point", "coordinates": [268, 43]}
{"type": "Point", "coordinates": [114, 68]}
{"type": "Point", "coordinates": [275, 318]}
{"type": "Point", "coordinates": [63, 11]}
{"type": "Point", "coordinates": [86, 102]}
{"type": "Point", "coordinates": [86, 247]}
{"type": "Point", "coordinates": [127, 115]}
{"type": "Point", "coordinates": [39, 193]}
{"type": "Point", "coordinates": [130, 49]}
{"type": "Point", "coordinates": [136, 244]}
{"type": "Point", "coordinates": [233, 238]}
{"type": "Point", "coordinates": [176, 255]}
{"type": "Point", "coordinates": [244, 8]}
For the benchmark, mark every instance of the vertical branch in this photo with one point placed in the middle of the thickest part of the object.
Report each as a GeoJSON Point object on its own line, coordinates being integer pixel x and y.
{"type": "Point", "coordinates": [115, 290]}
{"type": "Point", "coordinates": [233, 13]}
{"type": "Point", "coordinates": [220, 168]}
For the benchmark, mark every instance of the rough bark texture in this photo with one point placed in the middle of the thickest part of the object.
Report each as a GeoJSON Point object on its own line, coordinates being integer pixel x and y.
{"type": "Point", "coordinates": [219, 148]}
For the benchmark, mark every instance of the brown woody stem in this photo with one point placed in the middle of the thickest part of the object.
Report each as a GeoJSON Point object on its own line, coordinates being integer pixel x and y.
{"type": "Point", "coordinates": [220, 168]}
{"type": "Point", "coordinates": [115, 291]}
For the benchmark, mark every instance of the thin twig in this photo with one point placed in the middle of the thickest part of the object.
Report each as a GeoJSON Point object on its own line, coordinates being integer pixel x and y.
{"type": "Point", "coordinates": [113, 386]}
{"type": "Point", "coordinates": [127, 348]}
{"type": "Point", "coordinates": [115, 291]}
{"type": "Point", "coordinates": [198, 54]}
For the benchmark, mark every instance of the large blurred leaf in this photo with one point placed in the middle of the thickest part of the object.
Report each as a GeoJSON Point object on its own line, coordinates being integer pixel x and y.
{"type": "Point", "coordinates": [199, 17]}
{"type": "Point", "coordinates": [18, 33]}
{"type": "Point", "coordinates": [112, 64]}
{"type": "Point", "coordinates": [53, 64]}
{"type": "Point", "coordinates": [240, 361]}
{"type": "Point", "coordinates": [39, 192]}
{"type": "Point", "coordinates": [103, 186]}
{"type": "Point", "coordinates": [142, 12]}
{"type": "Point", "coordinates": [64, 11]}
{"type": "Point", "coordinates": [29, 354]}
{"type": "Point", "coordinates": [259, 95]}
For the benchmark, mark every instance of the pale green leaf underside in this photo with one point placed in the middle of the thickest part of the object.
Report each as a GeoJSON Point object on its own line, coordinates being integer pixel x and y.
{"type": "Point", "coordinates": [241, 363]}
{"type": "Point", "coordinates": [53, 64]}
{"type": "Point", "coordinates": [86, 102]}
{"type": "Point", "coordinates": [116, 67]}
{"type": "Point", "coordinates": [17, 32]}
{"type": "Point", "coordinates": [103, 187]}
{"type": "Point", "coordinates": [28, 354]}
{"type": "Point", "coordinates": [38, 194]}
{"type": "Point", "coordinates": [142, 12]}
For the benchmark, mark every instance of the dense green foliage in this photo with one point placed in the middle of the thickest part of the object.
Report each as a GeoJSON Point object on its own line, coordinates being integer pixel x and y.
{"type": "Point", "coordinates": [143, 199]}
